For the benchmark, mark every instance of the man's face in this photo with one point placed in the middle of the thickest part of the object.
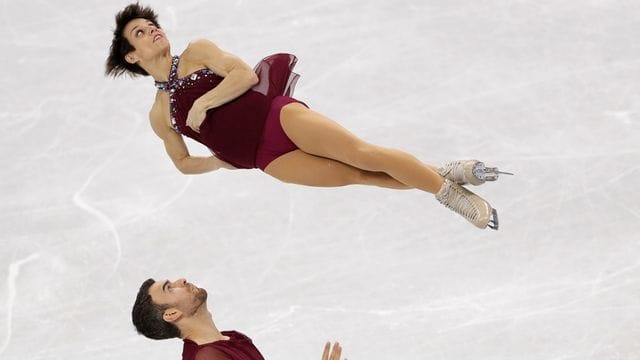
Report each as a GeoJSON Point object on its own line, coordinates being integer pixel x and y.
{"type": "Point", "coordinates": [178, 294]}
{"type": "Point", "coordinates": [146, 38]}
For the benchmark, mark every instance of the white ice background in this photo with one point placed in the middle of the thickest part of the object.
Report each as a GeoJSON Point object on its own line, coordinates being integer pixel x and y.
{"type": "Point", "coordinates": [91, 205]}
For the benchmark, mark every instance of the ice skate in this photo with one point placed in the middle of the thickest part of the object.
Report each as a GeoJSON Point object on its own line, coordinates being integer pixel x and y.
{"type": "Point", "coordinates": [471, 206]}
{"type": "Point", "coordinates": [471, 172]}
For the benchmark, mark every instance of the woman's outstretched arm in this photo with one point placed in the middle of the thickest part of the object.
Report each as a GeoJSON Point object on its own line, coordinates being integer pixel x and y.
{"type": "Point", "coordinates": [177, 149]}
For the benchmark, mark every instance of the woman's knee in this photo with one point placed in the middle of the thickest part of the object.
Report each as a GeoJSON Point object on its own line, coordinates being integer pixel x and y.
{"type": "Point", "coordinates": [342, 174]}
{"type": "Point", "coordinates": [368, 157]}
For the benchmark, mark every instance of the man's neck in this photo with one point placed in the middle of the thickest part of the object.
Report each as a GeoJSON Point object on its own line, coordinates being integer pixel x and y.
{"type": "Point", "coordinates": [201, 329]}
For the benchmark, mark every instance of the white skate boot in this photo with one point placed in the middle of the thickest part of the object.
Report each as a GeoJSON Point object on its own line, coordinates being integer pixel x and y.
{"type": "Point", "coordinates": [471, 206]}
{"type": "Point", "coordinates": [469, 171]}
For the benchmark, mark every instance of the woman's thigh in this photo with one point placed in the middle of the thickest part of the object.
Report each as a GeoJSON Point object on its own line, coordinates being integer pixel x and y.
{"type": "Point", "coordinates": [299, 167]}
{"type": "Point", "coordinates": [316, 134]}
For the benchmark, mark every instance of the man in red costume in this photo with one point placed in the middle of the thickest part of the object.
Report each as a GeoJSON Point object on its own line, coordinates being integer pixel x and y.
{"type": "Point", "coordinates": [178, 309]}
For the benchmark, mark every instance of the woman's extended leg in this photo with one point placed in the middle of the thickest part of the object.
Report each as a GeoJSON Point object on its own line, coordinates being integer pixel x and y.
{"type": "Point", "coordinates": [316, 134]}
{"type": "Point", "coordinates": [301, 168]}
{"type": "Point", "coordinates": [330, 155]}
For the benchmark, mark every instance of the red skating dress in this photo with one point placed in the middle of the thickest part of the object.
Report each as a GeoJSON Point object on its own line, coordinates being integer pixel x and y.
{"type": "Point", "coordinates": [246, 131]}
{"type": "Point", "coordinates": [238, 347]}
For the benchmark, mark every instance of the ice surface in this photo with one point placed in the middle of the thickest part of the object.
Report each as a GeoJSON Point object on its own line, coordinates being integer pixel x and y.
{"type": "Point", "coordinates": [91, 206]}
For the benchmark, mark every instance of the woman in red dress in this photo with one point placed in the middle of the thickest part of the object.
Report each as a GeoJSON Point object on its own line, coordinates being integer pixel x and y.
{"type": "Point", "coordinates": [248, 119]}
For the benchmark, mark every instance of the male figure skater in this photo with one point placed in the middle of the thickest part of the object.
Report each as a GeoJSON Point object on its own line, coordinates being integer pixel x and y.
{"type": "Point", "coordinates": [178, 309]}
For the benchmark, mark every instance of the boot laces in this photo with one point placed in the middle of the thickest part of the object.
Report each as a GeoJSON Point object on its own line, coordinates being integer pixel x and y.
{"type": "Point", "coordinates": [458, 201]}
{"type": "Point", "coordinates": [456, 167]}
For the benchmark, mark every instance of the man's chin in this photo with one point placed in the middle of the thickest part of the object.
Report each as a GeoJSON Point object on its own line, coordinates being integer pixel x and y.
{"type": "Point", "coordinates": [200, 303]}
{"type": "Point", "coordinates": [202, 295]}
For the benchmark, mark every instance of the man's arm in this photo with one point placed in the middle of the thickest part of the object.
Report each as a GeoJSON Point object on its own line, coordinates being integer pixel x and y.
{"type": "Point", "coordinates": [177, 149]}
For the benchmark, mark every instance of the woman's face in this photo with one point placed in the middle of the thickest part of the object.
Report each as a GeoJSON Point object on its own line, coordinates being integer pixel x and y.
{"type": "Point", "coordinates": [147, 39]}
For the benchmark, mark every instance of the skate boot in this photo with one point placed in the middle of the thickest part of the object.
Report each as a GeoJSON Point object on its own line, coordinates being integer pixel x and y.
{"type": "Point", "coordinates": [469, 171]}
{"type": "Point", "coordinates": [471, 206]}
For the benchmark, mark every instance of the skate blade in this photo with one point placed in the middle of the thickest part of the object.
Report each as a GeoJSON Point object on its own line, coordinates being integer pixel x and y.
{"type": "Point", "coordinates": [488, 173]}
{"type": "Point", "coordinates": [493, 222]}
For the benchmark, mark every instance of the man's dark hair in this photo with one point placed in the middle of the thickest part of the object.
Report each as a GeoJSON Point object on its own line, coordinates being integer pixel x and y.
{"type": "Point", "coordinates": [120, 46]}
{"type": "Point", "coordinates": [147, 316]}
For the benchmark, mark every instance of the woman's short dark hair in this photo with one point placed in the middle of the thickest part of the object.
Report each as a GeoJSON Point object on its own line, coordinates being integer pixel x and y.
{"type": "Point", "coordinates": [147, 316]}
{"type": "Point", "coordinates": [120, 46]}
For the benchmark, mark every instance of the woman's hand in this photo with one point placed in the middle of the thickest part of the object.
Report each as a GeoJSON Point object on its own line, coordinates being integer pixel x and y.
{"type": "Point", "coordinates": [196, 116]}
{"type": "Point", "coordinates": [335, 352]}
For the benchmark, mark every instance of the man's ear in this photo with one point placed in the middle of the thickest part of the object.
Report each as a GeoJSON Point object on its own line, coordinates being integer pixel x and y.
{"type": "Point", "coordinates": [171, 315]}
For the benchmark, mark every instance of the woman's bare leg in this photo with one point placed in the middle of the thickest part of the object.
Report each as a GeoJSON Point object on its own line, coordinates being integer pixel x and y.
{"type": "Point", "coordinates": [316, 134]}
{"type": "Point", "coordinates": [301, 168]}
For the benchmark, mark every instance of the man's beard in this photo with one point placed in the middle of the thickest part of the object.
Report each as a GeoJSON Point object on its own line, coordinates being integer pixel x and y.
{"type": "Point", "coordinates": [201, 296]}
{"type": "Point", "coordinates": [199, 301]}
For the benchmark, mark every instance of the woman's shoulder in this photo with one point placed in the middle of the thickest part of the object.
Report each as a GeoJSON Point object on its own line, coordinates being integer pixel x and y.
{"type": "Point", "coordinates": [159, 109]}
{"type": "Point", "coordinates": [161, 100]}
{"type": "Point", "coordinates": [198, 49]}
{"type": "Point", "coordinates": [199, 44]}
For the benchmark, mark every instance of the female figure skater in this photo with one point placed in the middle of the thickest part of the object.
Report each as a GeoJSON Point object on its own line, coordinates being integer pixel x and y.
{"type": "Point", "coordinates": [247, 118]}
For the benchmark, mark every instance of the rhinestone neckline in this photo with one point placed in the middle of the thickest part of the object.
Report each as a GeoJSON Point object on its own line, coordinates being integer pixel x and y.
{"type": "Point", "coordinates": [174, 83]}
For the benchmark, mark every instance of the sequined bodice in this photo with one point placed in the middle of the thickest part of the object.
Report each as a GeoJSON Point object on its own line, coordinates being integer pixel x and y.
{"type": "Point", "coordinates": [233, 130]}
{"type": "Point", "coordinates": [176, 83]}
